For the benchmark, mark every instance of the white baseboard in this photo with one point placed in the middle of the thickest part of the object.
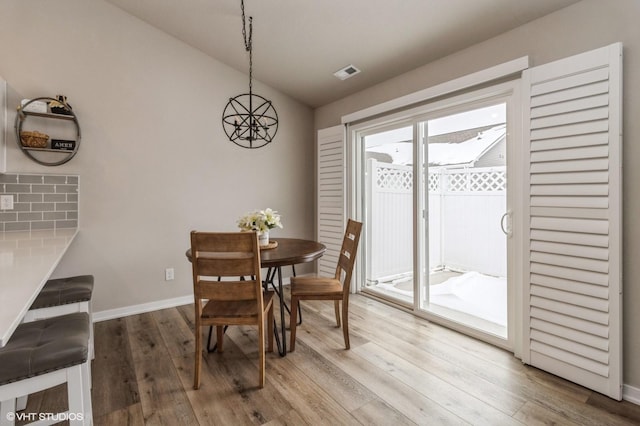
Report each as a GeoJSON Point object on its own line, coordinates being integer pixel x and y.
{"type": "Point", "coordinates": [631, 394]}
{"type": "Point", "coordinates": [142, 308]}
{"type": "Point", "coordinates": [148, 307]}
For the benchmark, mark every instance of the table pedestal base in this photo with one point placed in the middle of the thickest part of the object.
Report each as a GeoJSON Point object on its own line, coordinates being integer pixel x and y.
{"type": "Point", "coordinates": [281, 336]}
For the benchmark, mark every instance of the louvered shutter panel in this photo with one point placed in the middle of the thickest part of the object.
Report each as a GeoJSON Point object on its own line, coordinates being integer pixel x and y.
{"type": "Point", "coordinates": [573, 301]}
{"type": "Point", "coordinates": [331, 196]}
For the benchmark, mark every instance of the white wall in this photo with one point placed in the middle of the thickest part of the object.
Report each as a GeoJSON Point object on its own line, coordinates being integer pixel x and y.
{"type": "Point", "coordinates": [154, 162]}
{"type": "Point", "coordinates": [583, 26]}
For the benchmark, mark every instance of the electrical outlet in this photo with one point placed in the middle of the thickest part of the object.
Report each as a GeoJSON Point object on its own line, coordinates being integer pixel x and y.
{"type": "Point", "coordinates": [6, 202]}
{"type": "Point", "coordinates": [168, 274]}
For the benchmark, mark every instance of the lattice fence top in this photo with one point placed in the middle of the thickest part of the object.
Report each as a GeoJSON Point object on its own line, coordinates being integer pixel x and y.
{"type": "Point", "coordinates": [394, 178]}
{"type": "Point", "coordinates": [482, 180]}
{"type": "Point", "coordinates": [390, 177]}
{"type": "Point", "coordinates": [434, 182]}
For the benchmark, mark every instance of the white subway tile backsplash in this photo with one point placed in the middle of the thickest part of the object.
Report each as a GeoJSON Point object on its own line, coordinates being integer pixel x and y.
{"type": "Point", "coordinates": [41, 201]}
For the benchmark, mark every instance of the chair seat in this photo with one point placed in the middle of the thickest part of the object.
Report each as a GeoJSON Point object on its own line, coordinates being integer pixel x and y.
{"type": "Point", "coordinates": [313, 286]}
{"type": "Point", "coordinates": [235, 308]}
{"type": "Point", "coordinates": [64, 291]}
{"type": "Point", "coordinates": [42, 346]}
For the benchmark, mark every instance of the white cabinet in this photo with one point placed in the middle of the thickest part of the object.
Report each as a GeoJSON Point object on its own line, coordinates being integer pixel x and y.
{"type": "Point", "coordinates": [8, 97]}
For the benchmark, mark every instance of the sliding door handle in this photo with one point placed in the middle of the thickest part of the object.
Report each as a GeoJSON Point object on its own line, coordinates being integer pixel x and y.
{"type": "Point", "coordinates": [506, 229]}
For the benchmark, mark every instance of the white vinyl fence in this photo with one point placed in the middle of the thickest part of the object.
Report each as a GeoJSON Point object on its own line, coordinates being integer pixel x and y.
{"type": "Point", "coordinates": [465, 208]}
{"type": "Point", "coordinates": [389, 224]}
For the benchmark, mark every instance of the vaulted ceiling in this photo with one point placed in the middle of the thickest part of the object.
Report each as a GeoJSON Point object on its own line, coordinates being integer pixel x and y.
{"type": "Point", "coordinates": [299, 44]}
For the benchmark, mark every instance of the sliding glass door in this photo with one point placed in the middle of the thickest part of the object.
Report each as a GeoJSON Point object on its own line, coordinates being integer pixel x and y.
{"type": "Point", "coordinates": [438, 218]}
{"type": "Point", "coordinates": [466, 217]}
{"type": "Point", "coordinates": [388, 157]}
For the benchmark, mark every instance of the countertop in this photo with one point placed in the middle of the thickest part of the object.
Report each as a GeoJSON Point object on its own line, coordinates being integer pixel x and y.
{"type": "Point", "coordinates": [27, 260]}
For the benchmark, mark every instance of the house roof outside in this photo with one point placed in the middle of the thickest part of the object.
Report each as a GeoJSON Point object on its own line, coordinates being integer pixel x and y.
{"type": "Point", "coordinates": [460, 149]}
{"type": "Point", "coordinates": [467, 152]}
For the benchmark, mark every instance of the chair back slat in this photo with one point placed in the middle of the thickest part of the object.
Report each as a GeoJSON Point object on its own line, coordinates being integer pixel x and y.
{"type": "Point", "coordinates": [226, 290]}
{"type": "Point", "coordinates": [223, 242]}
{"type": "Point", "coordinates": [348, 252]}
{"type": "Point", "coordinates": [224, 266]}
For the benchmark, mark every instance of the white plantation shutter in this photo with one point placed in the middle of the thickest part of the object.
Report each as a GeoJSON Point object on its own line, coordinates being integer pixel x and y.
{"type": "Point", "coordinates": [573, 220]}
{"type": "Point", "coordinates": [331, 220]}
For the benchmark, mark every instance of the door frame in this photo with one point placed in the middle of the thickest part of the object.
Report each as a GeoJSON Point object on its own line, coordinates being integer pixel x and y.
{"type": "Point", "coordinates": [510, 92]}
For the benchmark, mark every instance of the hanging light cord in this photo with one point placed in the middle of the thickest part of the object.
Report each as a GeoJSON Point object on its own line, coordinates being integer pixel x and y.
{"type": "Point", "coordinates": [248, 41]}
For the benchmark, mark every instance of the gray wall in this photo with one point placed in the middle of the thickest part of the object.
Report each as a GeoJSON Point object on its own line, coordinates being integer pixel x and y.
{"type": "Point", "coordinates": [154, 161]}
{"type": "Point", "coordinates": [586, 25]}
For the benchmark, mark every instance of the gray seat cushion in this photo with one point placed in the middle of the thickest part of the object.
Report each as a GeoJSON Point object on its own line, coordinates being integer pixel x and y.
{"type": "Point", "coordinates": [41, 346]}
{"type": "Point", "coordinates": [62, 291]}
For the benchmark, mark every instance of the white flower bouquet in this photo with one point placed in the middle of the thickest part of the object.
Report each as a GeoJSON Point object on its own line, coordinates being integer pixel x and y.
{"type": "Point", "coordinates": [260, 221]}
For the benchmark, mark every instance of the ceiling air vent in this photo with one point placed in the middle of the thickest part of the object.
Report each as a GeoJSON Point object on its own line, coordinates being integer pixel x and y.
{"type": "Point", "coordinates": [346, 72]}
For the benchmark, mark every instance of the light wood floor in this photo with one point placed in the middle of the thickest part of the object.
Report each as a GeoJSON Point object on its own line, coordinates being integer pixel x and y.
{"type": "Point", "coordinates": [400, 370]}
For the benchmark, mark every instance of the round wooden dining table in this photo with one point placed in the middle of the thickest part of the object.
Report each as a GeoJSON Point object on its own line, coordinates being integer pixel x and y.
{"type": "Point", "coordinates": [287, 252]}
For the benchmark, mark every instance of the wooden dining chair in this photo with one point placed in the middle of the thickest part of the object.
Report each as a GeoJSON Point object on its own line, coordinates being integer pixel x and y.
{"type": "Point", "coordinates": [227, 289]}
{"type": "Point", "coordinates": [336, 288]}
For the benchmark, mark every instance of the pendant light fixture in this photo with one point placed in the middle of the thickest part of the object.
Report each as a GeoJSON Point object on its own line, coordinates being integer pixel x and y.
{"type": "Point", "coordinates": [249, 120]}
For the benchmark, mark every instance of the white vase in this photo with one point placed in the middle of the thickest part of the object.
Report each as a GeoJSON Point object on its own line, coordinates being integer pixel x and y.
{"type": "Point", "coordinates": [263, 238]}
